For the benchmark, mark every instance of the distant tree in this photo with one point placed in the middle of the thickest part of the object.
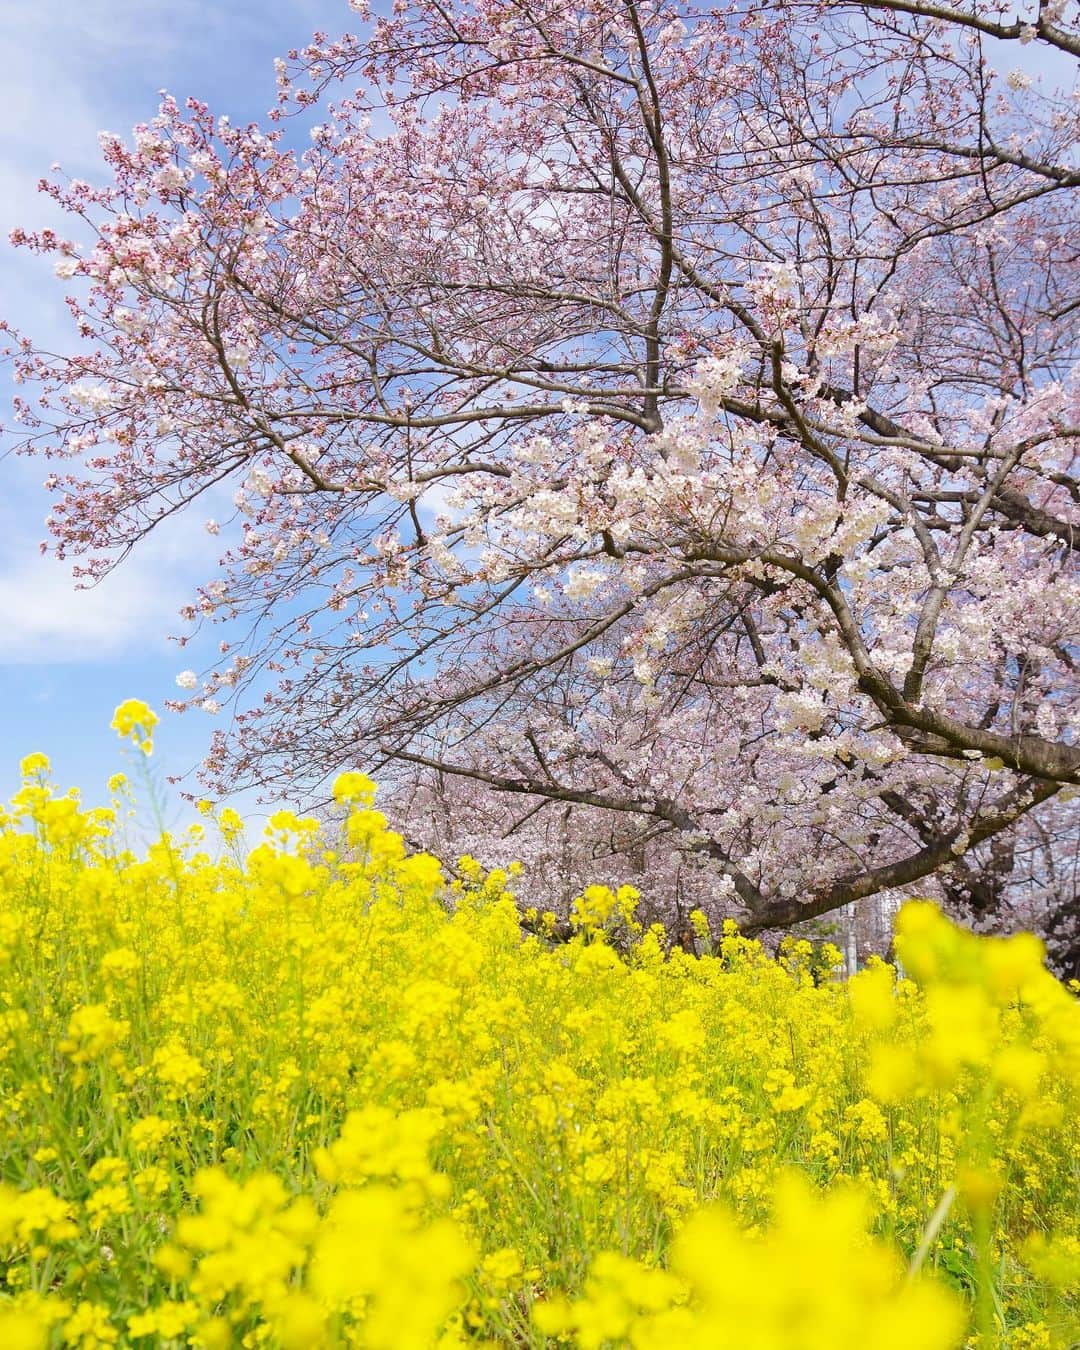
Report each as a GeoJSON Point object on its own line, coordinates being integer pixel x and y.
{"type": "Point", "coordinates": [658, 421]}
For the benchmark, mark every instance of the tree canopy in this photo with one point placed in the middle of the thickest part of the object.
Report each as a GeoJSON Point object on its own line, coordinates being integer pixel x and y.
{"type": "Point", "coordinates": [653, 427]}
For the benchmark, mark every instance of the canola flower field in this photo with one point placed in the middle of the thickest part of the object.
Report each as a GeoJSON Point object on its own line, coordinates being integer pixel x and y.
{"type": "Point", "coordinates": [316, 1094]}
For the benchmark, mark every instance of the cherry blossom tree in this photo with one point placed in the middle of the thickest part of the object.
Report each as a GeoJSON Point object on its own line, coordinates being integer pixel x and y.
{"type": "Point", "coordinates": [653, 431]}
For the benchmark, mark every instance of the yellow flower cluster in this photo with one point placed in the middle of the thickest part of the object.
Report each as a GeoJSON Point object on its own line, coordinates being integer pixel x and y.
{"type": "Point", "coordinates": [316, 1095]}
{"type": "Point", "coordinates": [135, 721]}
{"type": "Point", "coordinates": [731, 1291]}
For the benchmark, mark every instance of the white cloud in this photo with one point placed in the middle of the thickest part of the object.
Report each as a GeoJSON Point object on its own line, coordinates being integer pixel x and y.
{"type": "Point", "coordinates": [44, 619]}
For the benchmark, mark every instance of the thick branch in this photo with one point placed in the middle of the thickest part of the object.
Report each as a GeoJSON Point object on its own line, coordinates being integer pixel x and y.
{"type": "Point", "coordinates": [783, 913]}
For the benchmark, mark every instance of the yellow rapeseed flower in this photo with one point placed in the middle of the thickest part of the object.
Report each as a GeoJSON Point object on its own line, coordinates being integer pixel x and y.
{"type": "Point", "coordinates": [316, 1096]}
{"type": "Point", "coordinates": [135, 720]}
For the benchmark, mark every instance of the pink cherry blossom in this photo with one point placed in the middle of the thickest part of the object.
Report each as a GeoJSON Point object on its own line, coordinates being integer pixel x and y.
{"type": "Point", "coordinates": [653, 432]}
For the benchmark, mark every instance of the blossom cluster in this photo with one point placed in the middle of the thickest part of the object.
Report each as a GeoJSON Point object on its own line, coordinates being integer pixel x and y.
{"type": "Point", "coordinates": [318, 1093]}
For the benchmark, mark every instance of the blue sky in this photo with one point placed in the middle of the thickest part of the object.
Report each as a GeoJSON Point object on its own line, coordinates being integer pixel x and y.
{"type": "Point", "coordinates": [74, 68]}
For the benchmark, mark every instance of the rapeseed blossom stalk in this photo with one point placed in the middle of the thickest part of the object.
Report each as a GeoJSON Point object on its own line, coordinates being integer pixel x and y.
{"type": "Point", "coordinates": [315, 1094]}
